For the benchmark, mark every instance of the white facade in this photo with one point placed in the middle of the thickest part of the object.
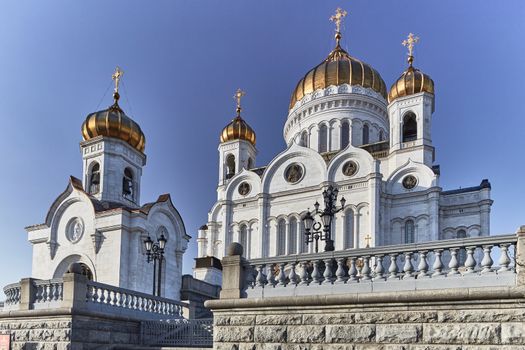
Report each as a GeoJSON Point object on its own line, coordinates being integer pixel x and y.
{"type": "Point", "coordinates": [99, 223]}
{"type": "Point", "coordinates": [387, 145]}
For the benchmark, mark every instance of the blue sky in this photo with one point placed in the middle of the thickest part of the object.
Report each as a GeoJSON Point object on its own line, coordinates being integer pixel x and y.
{"type": "Point", "coordinates": [183, 60]}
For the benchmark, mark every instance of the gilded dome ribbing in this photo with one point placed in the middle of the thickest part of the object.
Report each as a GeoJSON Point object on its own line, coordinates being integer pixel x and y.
{"type": "Point", "coordinates": [238, 129]}
{"type": "Point", "coordinates": [113, 122]}
{"type": "Point", "coordinates": [337, 69]}
{"type": "Point", "coordinates": [411, 82]}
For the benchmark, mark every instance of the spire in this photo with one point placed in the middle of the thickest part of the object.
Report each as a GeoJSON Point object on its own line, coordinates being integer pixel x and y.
{"type": "Point", "coordinates": [116, 77]}
{"type": "Point", "coordinates": [340, 14]}
{"type": "Point", "coordinates": [238, 95]}
{"type": "Point", "coordinates": [409, 43]}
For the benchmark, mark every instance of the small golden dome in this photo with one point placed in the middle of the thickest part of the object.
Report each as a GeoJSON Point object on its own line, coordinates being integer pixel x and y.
{"type": "Point", "coordinates": [337, 69]}
{"type": "Point", "coordinates": [411, 82]}
{"type": "Point", "coordinates": [112, 122]}
{"type": "Point", "coordinates": [238, 129]}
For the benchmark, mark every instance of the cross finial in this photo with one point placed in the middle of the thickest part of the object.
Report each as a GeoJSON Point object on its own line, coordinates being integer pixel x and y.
{"type": "Point", "coordinates": [367, 239]}
{"type": "Point", "coordinates": [238, 95]}
{"type": "Point", "coordinates": [337, 19]}
{"type": "Point", "coordinates": [409, 43]}
{"type": "Point", "coordinates": [116, 77]}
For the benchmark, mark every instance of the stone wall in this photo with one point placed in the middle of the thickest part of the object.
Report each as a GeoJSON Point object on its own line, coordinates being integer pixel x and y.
{"type": "Point", "coordinates": [452, 319]}
{"type": "Point", "coordinates": [43, 330]}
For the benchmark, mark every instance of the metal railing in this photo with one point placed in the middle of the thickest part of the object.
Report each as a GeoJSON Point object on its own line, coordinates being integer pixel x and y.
{"type": "Point", "coordinates": [179, 332]}
{"type": "Point", "coordinates": [426, 265]}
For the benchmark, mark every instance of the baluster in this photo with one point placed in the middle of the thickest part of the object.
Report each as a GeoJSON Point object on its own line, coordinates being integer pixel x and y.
{"type": "Point", "coordinates": [438, 263]}
{"type": "Point", "coordinates": [365, 270]}
{"type": "Point", "coordinates": [260, 280]}
{"type": "Point", "coordinates": [47, 289]}
{"type": "Point", "coordinates": [453, 264]}
{"type": "Point", "coordinates": [470, 262]}
{"type": "Point", "coordinates": [340, 273]}
{"type": "Point", "coordinates": [292, 276]}
{"type": "Point", "coordinates": [250, 276]}
{"type": "Point", "coordinates": [316, 274]}
{"type": "Point", "coordinates": [352, 271]}
{"type": "Point", "coordinates": [89, 293]}
{"type": "Point", "coordinates": [271, 275]}
{"type": "Point", "coordinates": [303, 274]}
{"type": "Point", "coordinates": [392, 269]}
{"type": "Point", "coordinates": [282, 276]}
{"type": "Point", "coordinates": [379, 269]}
{"type": "Point", "coordinates": [504, 259]}
{"type": "Point", "coordinates": [328, 274]}
{"type": "Point", "coordinates": [408, 268]}
{"type": "Point", "coordinates": [423, 265]}
{"type": "Point", "coordinates": [487, 262]}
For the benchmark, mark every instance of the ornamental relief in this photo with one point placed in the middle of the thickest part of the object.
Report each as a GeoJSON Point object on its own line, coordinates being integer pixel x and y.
{"type": "Point", "coordinates": [294, 173]}
{"type": "Point", "coordinates": [409, 182]}
{"type": "Point", "coordinates": [75, 230]}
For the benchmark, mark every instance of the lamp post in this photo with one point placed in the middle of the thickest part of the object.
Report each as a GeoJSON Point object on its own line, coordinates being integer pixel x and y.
{"type": "Point", "coordinates": [154, 252]}
{"type": "Point", "coordinates": [315, 230]}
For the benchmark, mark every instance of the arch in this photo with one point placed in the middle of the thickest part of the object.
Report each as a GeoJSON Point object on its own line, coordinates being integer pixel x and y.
{"type": "Point", "coordinates": [230, 166]}
{"type": "Point", "coordinates": [409, 231]}
{"type": "Point", "coordinates": [409, 127]}
{"type": "Point", "coordinates": [88, 268]}
{"type": "Point", "coordinates": [281, 237]}
{"type": "Point", "coordinates": [243, 240]}
{"type": "Point", "coordinates": [323, 138]}
{"type": "Point", "coordinates": [94, 178]}
{"type": "Point", "coordinates": [128, 190]}
{"type": "Point", "coordinates": [304, 139]}
{"type": "Point", "coordinates": [349, 229]}
{"type": "Point", "coordinates": [345, 134]}
{"type": "Point", "coordinates": [366, 134]}
{"type": "Point", "coordinates": [292, 236]}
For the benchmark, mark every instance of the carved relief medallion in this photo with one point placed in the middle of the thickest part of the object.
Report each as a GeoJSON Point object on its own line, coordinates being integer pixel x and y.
{"type": "Point", "coordinates": [350, 168]}
{"type": "Point", "coordinates": [409, 182]}
{"type": "Point", "coordinates": [244, 188]}
{"type": "Point", "coordinates": [75, 230]}
{"type": "Point", "coordinates": [294, 173]}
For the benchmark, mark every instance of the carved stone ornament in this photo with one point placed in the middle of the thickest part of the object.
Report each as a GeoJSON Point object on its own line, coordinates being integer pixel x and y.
{"type": "Point", "coordinates": [75, 230]}
{"type": "Point", "coordinates": [350, 168]}
{"type": "Point", "coordinates": [409, 182]}
{"type": "Point", "coordinates": [294, 173]}
{"type": "Point", "coordinates": [244, 188]}
{"type": "Point", "coordinates": [97, 238]}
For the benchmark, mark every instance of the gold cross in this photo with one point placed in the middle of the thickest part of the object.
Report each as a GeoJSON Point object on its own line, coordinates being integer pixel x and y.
{"type": "Point", "coordinates": [117, 76]}
{"type": "Point", "coordinates": [238, 95]}
{"type": "Point", "coordinates": [409, 42]}
{"type": "Point", "coordinates": [338, 18]}
{"type": "Point", "coordinates": [367, 239]}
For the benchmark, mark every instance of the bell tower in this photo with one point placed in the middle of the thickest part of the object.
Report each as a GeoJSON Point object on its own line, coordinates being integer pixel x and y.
{"type": "Point", "coordinates": [113, 153]}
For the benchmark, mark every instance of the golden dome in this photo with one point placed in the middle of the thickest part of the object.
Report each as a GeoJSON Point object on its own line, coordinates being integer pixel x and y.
{"type": "Point", "coordinates": [337, 69]}
{"type": "Point", "coordinates": [112, 122]}
{"type": "Point", "coordinates": [238, 129]}
{"type": "Point", "coordinates": [411, 82]}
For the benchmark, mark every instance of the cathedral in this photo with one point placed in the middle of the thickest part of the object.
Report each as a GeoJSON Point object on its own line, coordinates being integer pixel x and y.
{"type": "Point", "coordinates": [98, 220]}
{"type": "Point", "coordinates": [343, 129]}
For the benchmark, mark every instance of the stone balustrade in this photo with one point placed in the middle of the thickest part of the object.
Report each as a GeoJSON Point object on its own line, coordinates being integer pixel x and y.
{"type": "Point", "coordinates": [457, 263]}
{"type": "Point", "coordinates": [76, 291]}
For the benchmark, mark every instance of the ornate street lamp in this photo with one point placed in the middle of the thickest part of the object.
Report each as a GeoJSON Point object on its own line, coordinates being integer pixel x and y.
{"type": "Point", "coordinates": [315, 230]}
{"type": "Point", "coordinates": [154, 252]}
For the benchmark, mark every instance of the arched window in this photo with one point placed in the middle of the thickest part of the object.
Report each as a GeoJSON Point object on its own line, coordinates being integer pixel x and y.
{"type": "Point", "coordinates": [303, 248]}
{"type": "Point", "coordinates": [243, 240]}
{"type": "Point", "coordinates": [409, 127]}
{"type": "Point", "coordinates": [94, 179]}
{"type": "Point", "coordinates": [292, 236]}
{"type": "Point", "coordinates": [323, 138]}
{"type": "Point", "coordinates": [127, 184]}
{"type": "Point", "coordinates": [230, 166]}
{"type": "Point", "coordinates": [462, 254]}
{"type": "Point", "coordinates": [381, 135]}
{"type": "Point", "coordinates": [366, 134]}
{"type": "Point", "coordinates": [281, 237]}
{"type": "Point", "coordinates": [304, 139]}
{"type": "Point", "coordinates": [250, 163]}
{"type": "Point", "coordinates": [345, 134]}
{"type": "Point", "coordinates": [349, 229]}
{"type": "Point", "coordinates": [409, 231]}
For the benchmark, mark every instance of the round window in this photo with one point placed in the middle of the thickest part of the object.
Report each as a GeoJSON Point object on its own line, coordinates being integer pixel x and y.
{"type": "Point", "coordinates": [244, 188]}
{"type": "Point", "coordinates": [409, 182]}
{"type": "Point", "coordinates": [294, 173]}
{"type": "Point", "coordinates": [350, 168]}
{"type": "Point", "coordinates": [75, 230]}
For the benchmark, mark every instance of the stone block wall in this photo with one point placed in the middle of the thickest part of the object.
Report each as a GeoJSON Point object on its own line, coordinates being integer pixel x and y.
{"type": "Point", "coordinates": [435, 324]}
